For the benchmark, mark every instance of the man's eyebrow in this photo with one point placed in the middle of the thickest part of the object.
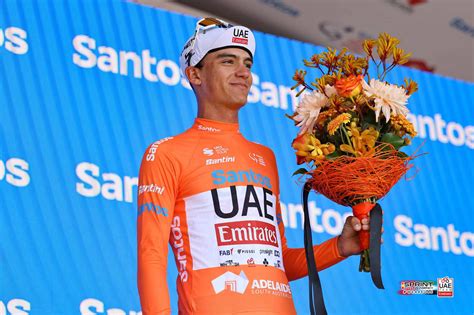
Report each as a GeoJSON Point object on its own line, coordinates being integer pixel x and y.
{"type": "Point", "coordinates": [227, 55]}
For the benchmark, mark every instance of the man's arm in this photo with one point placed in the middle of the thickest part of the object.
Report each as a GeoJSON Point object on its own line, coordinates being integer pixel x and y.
{"type": "Point", "coordinates": [156, 198]}
{"type": "Point", "coordinates": [326, 254]}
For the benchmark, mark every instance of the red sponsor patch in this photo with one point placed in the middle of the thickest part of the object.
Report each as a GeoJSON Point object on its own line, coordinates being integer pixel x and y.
{"type": "Point", "coordinates": [246, 232]}
{"type": "Point", "coordinates": [240, 40]}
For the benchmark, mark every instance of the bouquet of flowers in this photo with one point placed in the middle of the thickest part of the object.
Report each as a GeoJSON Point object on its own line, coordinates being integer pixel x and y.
{"type": "Point", "coordinates": [352, 127]}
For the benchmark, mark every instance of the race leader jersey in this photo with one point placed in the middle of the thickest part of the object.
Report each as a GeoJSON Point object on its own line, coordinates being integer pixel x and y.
{"type": "Point", "coordinates": [214, 197]}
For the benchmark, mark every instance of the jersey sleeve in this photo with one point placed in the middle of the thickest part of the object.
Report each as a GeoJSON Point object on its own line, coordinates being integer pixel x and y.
{"type": "Point", "coordinates": [326, 255]}
{"type": "Point", "coordinates": [157, 190]}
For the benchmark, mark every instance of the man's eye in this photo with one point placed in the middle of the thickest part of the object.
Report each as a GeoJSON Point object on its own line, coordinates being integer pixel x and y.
{"type": "Point", "coordinates": [249, 65]}
{"type": "Point", "coordinates": [228, 61]}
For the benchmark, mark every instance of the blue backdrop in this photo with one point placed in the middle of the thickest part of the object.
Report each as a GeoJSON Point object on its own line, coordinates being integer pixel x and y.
{"type": "Point", "coordinates": [85, 86]}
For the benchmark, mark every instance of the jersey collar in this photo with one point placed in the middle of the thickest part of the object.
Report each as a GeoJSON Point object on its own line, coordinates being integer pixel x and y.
{"type": "Point", "coordinates": [214, 126]}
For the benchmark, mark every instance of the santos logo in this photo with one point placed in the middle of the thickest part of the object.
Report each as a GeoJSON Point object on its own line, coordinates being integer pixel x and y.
{"type": "Point", "coordinates": [110, 185]}
{"type": "Point", "coordinates": [15, 307]}
{"type": "Point", "coordinates": [15, 172]}
{"type": "Point", "coordinates": [143, 65]}
{"type": "Point", "coordinates": [107, 59]}
{"type": "Point", "coordinates": [433, 238]}
{"type": "Point", "coordinates": [231, 282]}
{"type": "Point", "coordinates": [445, 132]}
{"type": "Point", "coordinates": [14, 40]}
{"type": "Point", "coordinates": [95, 307]}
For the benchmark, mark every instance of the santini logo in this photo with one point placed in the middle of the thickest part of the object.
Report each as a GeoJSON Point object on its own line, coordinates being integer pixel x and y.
{"type": "Point", "coordinates": [207, 128]}
{"type": "Point", "coordinates": [224, 159]}
{"type": "Point", "coordinates": [231, 282]}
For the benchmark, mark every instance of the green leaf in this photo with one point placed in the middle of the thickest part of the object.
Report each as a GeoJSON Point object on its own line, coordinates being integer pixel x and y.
{"type": "Point", "coordinates": [301, 171]}
{"type": "Point", "coordinates": [402, 154]}
{"type": "Point", "coordinates": [333, 155]}
{"type": "Point", "coordinates": [393, 139]}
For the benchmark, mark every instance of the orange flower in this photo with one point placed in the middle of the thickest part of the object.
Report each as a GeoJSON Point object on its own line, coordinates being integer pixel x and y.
{"type": "Point", "coordinates": [302, 145]}
{"type": "Point", "coordinates": [350, 86]}
{"type": "Point", "coordinates": [309, 148]}
{"type": "Point", "coordinates": [334, 124]}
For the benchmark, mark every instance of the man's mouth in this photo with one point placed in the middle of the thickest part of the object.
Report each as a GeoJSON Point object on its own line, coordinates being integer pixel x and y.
{"type": "Point", "coordinates": [241, 85]}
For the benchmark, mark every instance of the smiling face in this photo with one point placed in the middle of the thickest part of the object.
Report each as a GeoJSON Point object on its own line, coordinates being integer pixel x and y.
{"type": "Point", "coordinates": [224, 78]}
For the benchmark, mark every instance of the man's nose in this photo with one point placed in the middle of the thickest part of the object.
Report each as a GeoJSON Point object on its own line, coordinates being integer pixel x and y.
{"type": "Point", "coordinates": [243, 71]}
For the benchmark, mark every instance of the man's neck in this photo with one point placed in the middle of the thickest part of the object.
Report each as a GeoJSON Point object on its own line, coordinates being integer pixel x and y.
{"type": "Point", "coordinates": [218, 113]}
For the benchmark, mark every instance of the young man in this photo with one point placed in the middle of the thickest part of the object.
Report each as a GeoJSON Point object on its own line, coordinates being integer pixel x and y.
{"type": "Point", "coordinates": [214, 197]}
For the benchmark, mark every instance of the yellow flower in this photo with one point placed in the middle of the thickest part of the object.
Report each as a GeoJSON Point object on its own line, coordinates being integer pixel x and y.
{"type": "Point", "coordinates": [385, 45]}
{"type": "Point", "coordinates": [362, 143]}
{"type": "Point", "coordinates": [402, 125]}
{"type": "Point", "coordinates": [368, 46]}
{"type": "Point", "coordinates": [399, 56]}
{"type": "Point", "coordinates": [411, 86]}
{"type": "Point", "coordinates": [309, 148]}
{"type": "Point", "coordinates": [334, 124]}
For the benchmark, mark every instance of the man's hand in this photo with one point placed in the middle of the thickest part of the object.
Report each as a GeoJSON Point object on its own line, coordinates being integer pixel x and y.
{"type": "Point", "coordinates": [348, 242]}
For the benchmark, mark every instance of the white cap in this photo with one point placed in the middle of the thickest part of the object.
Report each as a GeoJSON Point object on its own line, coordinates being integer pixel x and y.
{"type": "Point", "coordinates": [212, 34]}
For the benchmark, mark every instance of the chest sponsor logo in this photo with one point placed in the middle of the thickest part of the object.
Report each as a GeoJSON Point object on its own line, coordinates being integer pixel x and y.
{"type": "Point", "coordinates": [246, 232]}
{"type": "Point", "coordinates": [224, 159]}
{"type": "Point", "coordinates": [230, 281]}
{"type": "Point", "coordinates": [218, 149]}
{"type": "Point", "coordinates": [226, 252]}
{"type": "Point", "coordinates": [264, 286]}
{"type": "Point", "coordinates": [221, 177]}
{"type": "Point", "coordinates": [251, 262]}
{"type": "Point", "coordinates": [257, 159]}
{"type": "Point", "coordinates": [251, 202]}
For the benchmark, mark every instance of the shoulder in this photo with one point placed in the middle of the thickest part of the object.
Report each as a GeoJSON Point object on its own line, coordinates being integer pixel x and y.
{"type": "Point", "coordinates": [265, 152]}
{"type": "Point", "coordinates": [172, 149]}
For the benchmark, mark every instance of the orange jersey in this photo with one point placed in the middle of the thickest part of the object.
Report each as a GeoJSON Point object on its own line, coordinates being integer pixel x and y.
{"type": "Point", "coordinates": [214, 197]}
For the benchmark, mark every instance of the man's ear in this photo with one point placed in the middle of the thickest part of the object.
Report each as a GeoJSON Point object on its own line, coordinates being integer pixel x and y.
{"type": "Point", "coordinates": [194, 75]}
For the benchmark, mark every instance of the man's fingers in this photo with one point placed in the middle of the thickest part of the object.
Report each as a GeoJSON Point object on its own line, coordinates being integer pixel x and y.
{"type": "Point", "coordinates": [355, 223]}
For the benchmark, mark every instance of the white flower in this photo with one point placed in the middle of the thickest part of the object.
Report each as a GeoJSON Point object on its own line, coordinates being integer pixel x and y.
{"type": "Point", "coordinates": [308, 109]}
{"type": "Point", "coordinates": [330, 90]}
{"type": "Point", "coordinates": [389, 98]}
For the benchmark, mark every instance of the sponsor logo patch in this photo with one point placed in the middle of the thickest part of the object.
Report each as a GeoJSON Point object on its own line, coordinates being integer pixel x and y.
{"type": "Point", "coordinates": [246, 232]}
{"type": "Point", "coordinates": [151, 188]}
{"type": "Point", "coordinates": [153, 208]}
{"type": "Point", "coordinates": [257, 159]}
{"type": "Point", "coordinates": [207, 128]}
{"type": "Point", "coordinates": [240, 36]}
{"type": "Point", "coordinates": [230, 281]}
{"type": "Point", "coordinates": [224, 159]}
{"type": "Point", "coordinates": [445, 287]}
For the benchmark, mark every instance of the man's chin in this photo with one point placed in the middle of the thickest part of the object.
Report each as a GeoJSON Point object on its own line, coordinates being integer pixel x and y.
{"type": "Point", "coordinates": [238, 103]}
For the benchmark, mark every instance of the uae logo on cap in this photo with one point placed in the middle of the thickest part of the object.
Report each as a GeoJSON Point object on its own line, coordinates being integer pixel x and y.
{"type": "Point", "coordinates": [240, 36]}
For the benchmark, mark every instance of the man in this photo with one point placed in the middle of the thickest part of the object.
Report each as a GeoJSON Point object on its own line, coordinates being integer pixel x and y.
{"type": "Point", "coordinates": [214, 196]}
